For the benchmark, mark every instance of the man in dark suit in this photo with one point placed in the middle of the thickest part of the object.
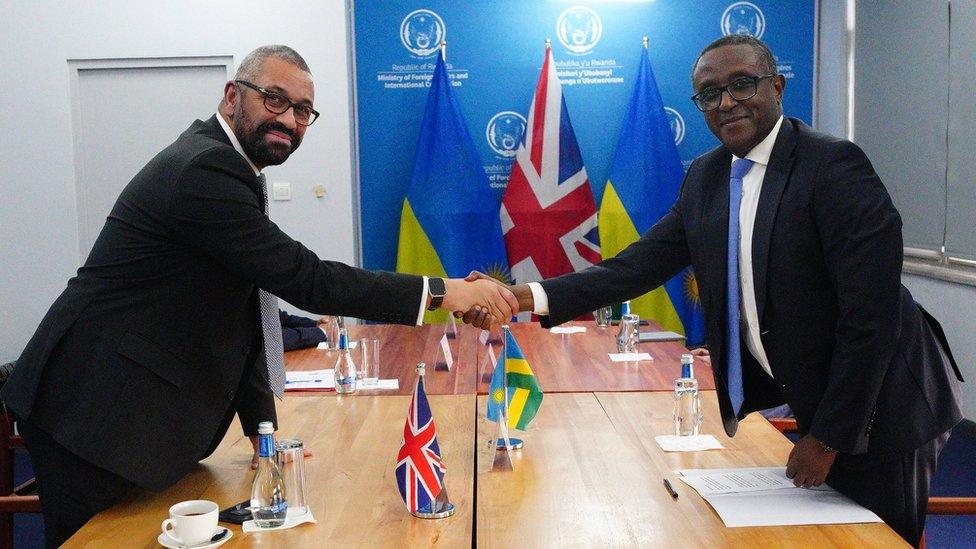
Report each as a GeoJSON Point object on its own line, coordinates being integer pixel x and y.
{"type": "Point", "coordinates": [126, 382]}
{"type": "Point", "coordinates": [299, 332]}
{"type": "Point", "coordinates": [800, 288]}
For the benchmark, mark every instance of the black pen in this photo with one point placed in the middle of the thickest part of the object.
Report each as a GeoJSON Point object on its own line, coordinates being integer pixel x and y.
{"type": "Point", "coordinates": [670, 489]}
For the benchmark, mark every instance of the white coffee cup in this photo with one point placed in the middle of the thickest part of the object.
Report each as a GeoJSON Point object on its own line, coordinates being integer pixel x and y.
{"type": "Point", "coordinates": [193, 521]}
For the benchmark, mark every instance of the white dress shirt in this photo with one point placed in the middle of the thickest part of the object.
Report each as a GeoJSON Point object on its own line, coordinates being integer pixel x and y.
{"type": "Point", "coordinates": [237, 147]}
{"type": "Point", "coordinates": [751, 187]}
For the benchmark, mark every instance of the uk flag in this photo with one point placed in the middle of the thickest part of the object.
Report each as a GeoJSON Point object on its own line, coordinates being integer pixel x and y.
{"type": "Point", "coordinates": [419, 470]}
{"type": "Point", "coordinates": [548, 213]}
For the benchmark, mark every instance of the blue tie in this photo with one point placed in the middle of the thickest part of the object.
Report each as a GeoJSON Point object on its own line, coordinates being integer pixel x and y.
{"type": "Point", "coordinates": [736, 393]}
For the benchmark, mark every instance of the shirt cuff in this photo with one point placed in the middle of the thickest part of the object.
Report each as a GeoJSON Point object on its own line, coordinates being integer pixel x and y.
{"type": "Point", "coordinates": [540, 301]}
{"type": "Point", "coordinates": [423, 301]}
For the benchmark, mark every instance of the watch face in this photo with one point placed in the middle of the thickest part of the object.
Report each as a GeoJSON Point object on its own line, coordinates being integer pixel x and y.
{"type": "Point", "coordinates": [436, 286]}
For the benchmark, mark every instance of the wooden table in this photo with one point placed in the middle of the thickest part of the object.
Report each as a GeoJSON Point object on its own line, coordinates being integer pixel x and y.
{"type": "Point", "coordinates": [590, 475]}
{"type": "Point", "coordinates": [351, 483]}
{"type": "Point", "coordinates": [562, 363]}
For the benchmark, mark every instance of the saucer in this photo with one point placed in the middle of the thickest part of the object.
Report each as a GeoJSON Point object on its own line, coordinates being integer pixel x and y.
{"type": "Point", "coordinates": [165, 541]}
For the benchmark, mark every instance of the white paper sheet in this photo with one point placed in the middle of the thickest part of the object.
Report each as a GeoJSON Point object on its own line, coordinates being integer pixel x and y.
{"type": "Point", "coordinates": [674, 443]}
{"type": "Point", "coordinates": [568, 329]}
{"type": "Point", "coordinates": [310, 380]}
{"type": "Point", "coordinates": [734, 481]}
{"type": "Point", "coordinates": [781, 506]}
{"type": "Point", "coordinates": [629, 357]}
{"type": "Point", "coordinates": [291, 521]}
{"type": "Point", "coordinates": [382, 385]}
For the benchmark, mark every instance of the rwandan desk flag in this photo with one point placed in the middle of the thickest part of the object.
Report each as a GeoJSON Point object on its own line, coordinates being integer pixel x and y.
{"type": "Point", "coordinates": [644, 181]}
{"type": "Point", "coordinates": [449, 224]}
{"type": "Point", "coordinates": [524, 393]}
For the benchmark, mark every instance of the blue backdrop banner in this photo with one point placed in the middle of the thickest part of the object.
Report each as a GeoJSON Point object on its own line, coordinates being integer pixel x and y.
{"type": "Point", "coordinates": [494, 50]}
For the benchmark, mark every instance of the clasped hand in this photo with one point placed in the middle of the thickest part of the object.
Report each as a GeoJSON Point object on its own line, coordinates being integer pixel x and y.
{"type": "Point", "coordinates": [492, 302]}
{"type": "Point", "coordinates": [482, 317]}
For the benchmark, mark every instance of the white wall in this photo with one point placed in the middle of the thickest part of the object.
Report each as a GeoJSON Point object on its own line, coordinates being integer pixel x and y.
{"type": "Point", "coordinates": [954, 305]}
{"type": "Point", "coordinates": [38, 212]}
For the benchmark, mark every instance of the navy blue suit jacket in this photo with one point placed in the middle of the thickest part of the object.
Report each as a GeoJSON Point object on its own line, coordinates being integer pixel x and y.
{"type": "Point", "coordinates": [859, 363]}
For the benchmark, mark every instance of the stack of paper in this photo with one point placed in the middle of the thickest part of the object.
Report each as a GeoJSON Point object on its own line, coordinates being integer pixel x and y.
{"type": "Point", "coordinates": [764, 496]}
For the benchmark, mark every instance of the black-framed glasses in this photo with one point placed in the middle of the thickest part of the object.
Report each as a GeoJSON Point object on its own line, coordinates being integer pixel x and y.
{"type": "Point", "coordinates": [740, 89]}
{"type": "Point", "coordinates": [279, 104]}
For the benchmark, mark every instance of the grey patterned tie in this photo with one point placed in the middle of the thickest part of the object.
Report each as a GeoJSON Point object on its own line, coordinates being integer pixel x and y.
{"type": "Point", "coordinates": [271, 325]}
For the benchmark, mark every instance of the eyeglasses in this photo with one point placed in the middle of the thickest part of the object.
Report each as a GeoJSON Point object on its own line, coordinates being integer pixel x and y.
{"type": "Point", "coordinates": [279, 104]}
{"type": "Point", "coordinates": [740, 89]}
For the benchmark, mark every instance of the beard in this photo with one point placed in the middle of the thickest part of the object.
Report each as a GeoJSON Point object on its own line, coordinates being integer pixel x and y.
{"type": "Point", "coordinates": [252, 140]}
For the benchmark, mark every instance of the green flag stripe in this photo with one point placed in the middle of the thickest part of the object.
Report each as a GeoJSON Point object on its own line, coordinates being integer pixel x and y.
{"type": "Point", "coordinates": [523, 381]}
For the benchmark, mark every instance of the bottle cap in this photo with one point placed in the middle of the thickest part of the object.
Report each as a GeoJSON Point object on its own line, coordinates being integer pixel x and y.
{"type": "Point", "coordinates": [343, 339]}
{"type": "Point", "coordinates": [687, 366]}
{"type": "Point", "coordinates": [265, 428]}
{"type": "Point", "coordinates": [625, 308]}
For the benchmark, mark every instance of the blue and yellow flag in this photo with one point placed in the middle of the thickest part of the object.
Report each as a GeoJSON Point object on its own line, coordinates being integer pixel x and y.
{"type": "Point", "coordinates": [644, 181]}
{"type": "Point", "coordinates": [524, 393]}
{"type": "Point", "coordinates": [449, 224]}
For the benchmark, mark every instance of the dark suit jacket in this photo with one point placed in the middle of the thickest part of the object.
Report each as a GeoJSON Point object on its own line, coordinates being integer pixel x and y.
{"type": "Point", "coordinates": [298, 332]}
{"type": "Point", "coordinates": [849, 350]}
{"type": "Point", "coordinates": [127, 369]}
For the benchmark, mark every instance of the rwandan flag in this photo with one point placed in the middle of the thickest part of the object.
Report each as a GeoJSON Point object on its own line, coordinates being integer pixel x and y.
{"type": "Point", "coordinates": [449, 224]}
{"type": "Point", "coordinates": [524, 393]}
{"type": "Point", "coordinates": [644, 181]}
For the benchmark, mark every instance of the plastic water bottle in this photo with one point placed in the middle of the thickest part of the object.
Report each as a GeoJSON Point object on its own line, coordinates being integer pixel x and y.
{"type": "Point", "coordinates": [345, 368]}
{"type": "Point", "coordinates": [687, 403]}
{"type": "Point", "coordinates": [268, 504]}
{"type": "Point", "coordinates": [629, 330]}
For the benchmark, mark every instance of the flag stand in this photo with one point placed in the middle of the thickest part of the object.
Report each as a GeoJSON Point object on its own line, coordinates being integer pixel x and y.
{"type": "Point", "coordinates": [441, 509]}
{"type": "Point", "coordinates": [513, 443]}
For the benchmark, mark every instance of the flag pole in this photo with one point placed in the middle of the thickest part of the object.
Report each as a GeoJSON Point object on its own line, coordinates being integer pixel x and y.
{"type": "Point", "coordinates": [443, 47]}
{"type": "Point", "coordinates": [506, 442]}
{"type": "Point", "coordinates": [645, 42]}
{"type": "Point", "coordinates": [441, 507]}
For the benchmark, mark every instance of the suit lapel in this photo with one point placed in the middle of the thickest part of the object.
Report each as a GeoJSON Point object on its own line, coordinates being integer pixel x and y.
{"type": "Point", "coordinates": [715, 233]}
{"type": "Point", "coordinates": [777, 174]}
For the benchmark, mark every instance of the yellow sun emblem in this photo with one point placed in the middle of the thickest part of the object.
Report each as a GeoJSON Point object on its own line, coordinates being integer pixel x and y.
{"type": "Point", "coordinates": [498, 395]}
{"type": "Point", "coordinates": [690, 284]}
{"type": "Point", "coordinates": [499, 272]}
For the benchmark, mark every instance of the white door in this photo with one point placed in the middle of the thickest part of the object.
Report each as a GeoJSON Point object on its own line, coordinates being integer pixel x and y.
{"type": "Point", "coordinates": [124, 112]}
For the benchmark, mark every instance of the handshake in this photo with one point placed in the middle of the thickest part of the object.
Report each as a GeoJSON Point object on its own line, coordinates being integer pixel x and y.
{"type": "Point", "coordinates": [484, 302]}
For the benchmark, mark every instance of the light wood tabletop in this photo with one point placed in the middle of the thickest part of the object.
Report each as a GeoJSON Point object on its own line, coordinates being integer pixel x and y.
{"type": "Point", "coordinates": [562, 363]}
{"type": "Point", "coordinates": [590, 475]}
{"type": "Point", "coordinates": [351, 482]}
